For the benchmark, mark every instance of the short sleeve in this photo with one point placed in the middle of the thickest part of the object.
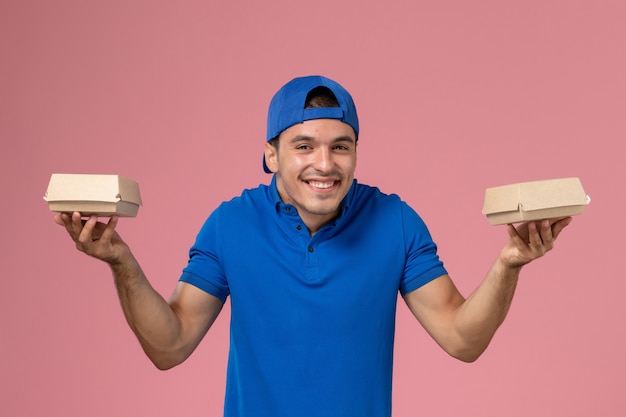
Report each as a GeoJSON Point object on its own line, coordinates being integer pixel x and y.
{"type": "Point", "coordinates": [204, 269]}
{"type": "Point", "coordinates": [422, 261]}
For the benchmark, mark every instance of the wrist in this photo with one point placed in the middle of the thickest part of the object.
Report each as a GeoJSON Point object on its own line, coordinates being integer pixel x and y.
{"type": "Point", "coordinates": [506, 268]}
{"type": "Point", "coordinates": [123, 256]}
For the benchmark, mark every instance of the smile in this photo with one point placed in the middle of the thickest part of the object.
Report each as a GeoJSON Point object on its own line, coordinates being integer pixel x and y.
{"type": "Point", "coordinates": [321, 185]}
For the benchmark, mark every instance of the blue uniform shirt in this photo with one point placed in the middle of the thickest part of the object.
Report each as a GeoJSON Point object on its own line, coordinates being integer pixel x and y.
{"type": "Point", "coordinates": [312, 317]}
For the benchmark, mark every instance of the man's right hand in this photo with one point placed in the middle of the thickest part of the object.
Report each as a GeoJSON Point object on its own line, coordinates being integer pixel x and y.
{"type": "Point", "coordinates": [96, 239]}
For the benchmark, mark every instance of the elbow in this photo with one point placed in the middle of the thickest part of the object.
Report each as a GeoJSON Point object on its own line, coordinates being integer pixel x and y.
{"type": "Point", "coordinates": [165, 361]}
{"type": "Point", "coordinates": [467, 353]}
{"type": "Point", "coordinates": [164, 364]}
{"type": "Point", "coordinates": [467, 357]}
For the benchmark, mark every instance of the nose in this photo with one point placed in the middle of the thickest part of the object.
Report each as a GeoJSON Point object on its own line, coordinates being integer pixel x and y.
{"type": "Point", "coordinates": [323, 159]}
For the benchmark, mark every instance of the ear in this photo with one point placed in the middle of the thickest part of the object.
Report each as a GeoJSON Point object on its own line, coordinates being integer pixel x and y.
{"type": "Point", "coordinates": [271, 156]}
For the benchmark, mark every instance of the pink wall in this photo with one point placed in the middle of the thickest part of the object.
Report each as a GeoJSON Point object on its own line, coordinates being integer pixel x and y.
{"type": "Point", "coordinates": [454, 97]}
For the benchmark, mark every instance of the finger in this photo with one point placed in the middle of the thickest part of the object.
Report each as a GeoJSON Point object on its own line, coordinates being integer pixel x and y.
{"type": "Point", "coordinates": [513, 233]}
{"type": "Point", "coordinates": [64, 219]}
{"type": "Point", "coordinates": [86, 233]}
{"type": "Point", "coordinates": [534, 236]}
{"type": "Point", "coordinates": [75, 224]}
{"type": "Point", "coordinates": [546, 232]}
{"type": "Point", "coordinates": [67, 218]}
{"type": "Point", "coordinates": [72, 223]}
{"type": "Point", "coordinates": [58, 219]}
{"type": "Point", "coordinates": [516, 238]}
{"type": "Point", "coordinates": [558, 227]}
{"type": "Point", "coordinates": [109, 231]}
{"type": "Point", "coordinates": [522, 231]}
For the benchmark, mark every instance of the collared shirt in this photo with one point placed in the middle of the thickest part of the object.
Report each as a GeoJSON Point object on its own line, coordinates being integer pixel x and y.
{"type": "Point", "coordinates": [312, 317]}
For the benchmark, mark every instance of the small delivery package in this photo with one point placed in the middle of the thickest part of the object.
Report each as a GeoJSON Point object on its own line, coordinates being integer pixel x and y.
{"type": "Point", "coordinates": [535, 200]}
{"type": "Point", "coordinates": [103, 195]}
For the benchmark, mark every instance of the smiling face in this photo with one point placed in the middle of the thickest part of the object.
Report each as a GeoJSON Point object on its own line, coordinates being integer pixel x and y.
{"type": "Point", "coordinates": [314, 162]}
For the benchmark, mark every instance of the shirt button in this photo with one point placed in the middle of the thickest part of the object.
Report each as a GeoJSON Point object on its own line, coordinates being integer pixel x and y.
{"type": "Point", "coordinates": [299, 227]}
{"type": "Point", "coordinates": [310, 248]}
{"type": "Point", "coordinates": [288, 208]}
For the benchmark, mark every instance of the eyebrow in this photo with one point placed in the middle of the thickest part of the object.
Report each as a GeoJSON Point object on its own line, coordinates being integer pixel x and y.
{"type": "Point", "coordinates": [305, 138]}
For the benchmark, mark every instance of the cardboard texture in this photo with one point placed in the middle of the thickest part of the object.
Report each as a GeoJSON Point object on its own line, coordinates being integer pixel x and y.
{"type": "Point", "coordinates": [103, 195]}
{"type": "Point", "coordinates": [535, 200]}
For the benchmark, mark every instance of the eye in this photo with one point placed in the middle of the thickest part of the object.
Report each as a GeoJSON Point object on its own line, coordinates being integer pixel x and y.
{"type": "Point", "coordinates": [341, 147]}
{"type": "Point", "coordinates": [303, 147]}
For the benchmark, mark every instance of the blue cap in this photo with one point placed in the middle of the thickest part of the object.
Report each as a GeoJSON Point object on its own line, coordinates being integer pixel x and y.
{"type": "Point", "coordinates": [287, 106]}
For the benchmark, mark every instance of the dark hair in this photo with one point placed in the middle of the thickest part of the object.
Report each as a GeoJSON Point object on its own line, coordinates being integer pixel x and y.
{"type": "Point", "coordinates": [320, 97]}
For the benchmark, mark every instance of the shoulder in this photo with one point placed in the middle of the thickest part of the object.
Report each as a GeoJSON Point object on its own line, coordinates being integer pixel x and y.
{"type": "Point", "coordinates": [250, 199]}
{"type": "Point", "coordinates": [367, 198]}
{"type": "Point", "coordinates": [373, 203]}
{"type": "Point", "coordinates": [366, 194]}
{"type": "Point", "coordinates": [250, 204]}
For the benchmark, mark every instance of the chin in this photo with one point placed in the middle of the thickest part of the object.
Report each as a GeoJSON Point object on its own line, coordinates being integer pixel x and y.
{"type": "Point", "coordinates": [325, 210]}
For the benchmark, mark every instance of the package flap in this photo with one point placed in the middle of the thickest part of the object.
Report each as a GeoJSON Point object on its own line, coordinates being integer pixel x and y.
{"type": "Point", "coordinates": [92, 187]}
{"type": "Point", "coordinates": [535, 200]}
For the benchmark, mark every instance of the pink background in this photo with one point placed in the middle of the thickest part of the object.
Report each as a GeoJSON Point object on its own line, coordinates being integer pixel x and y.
{"type": "Point", "coordinates": [454, 97]}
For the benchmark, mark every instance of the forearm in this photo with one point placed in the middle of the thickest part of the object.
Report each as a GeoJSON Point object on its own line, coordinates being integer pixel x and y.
{"type": "Point", "coordinates": [155, 324]}
{"type": "Point", "coordinates": [464, 327]}
{"type": "Point", "coordinates": [167, 331]}
{"type": "Point", "coordinates": [478, 318]}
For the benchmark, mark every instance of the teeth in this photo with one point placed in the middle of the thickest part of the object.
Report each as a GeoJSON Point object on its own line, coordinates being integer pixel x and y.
{"type": "Point", "coordinates": [318, 184]}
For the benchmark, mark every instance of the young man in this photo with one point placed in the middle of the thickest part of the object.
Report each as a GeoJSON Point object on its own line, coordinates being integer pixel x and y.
{"type": "Point", "coordinates": [313, 264]}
